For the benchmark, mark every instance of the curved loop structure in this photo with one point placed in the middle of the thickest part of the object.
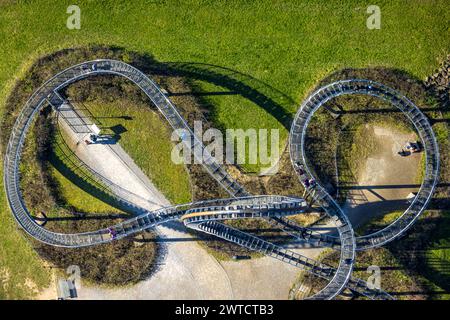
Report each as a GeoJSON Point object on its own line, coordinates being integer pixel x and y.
{"type": "Point", "coordinates": [204, 215]}
{"type": "Point", "coordinates": [413, 113]}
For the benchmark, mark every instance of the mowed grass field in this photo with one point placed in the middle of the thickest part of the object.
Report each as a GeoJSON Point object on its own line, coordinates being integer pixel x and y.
{"type": "Point", "coordinates": [288, 45]}
{"type": "Point", "coordinates": [438, 254]}
{"type": "Point", "coordinates": [147, 140]}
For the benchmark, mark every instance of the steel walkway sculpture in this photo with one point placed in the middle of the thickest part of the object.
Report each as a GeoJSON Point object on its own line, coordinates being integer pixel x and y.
{"type": "Point", "coordinates": [204, 216]}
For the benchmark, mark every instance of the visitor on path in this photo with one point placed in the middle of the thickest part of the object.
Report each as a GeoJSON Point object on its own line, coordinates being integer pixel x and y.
{"type": "Point", "coordinates": [413, 147]}
{"type": "Point", "coordinates": [93, 138]}
{"type": "Point", "coordinates": [306, 183]}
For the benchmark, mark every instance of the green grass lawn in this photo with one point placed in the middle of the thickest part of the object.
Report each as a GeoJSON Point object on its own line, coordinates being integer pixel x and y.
{"type": "Point", "coordinates": [147, 141]}
{"type": "Point", "coordinates": [79, 199]}
{"type": "Point", "coordinates": [379, 223]}
{"type": "Point", "coordinates": [72, 193]}
{"type": "Point", "coordinates": [438, 254]}
{"type": "Point", "coordinates": [288, 45]}
{"type": "Point", "coordinates": [151, 154]}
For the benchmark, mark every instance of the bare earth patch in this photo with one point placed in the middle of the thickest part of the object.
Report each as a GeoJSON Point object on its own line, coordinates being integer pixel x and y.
{"type": "Point", "coordinates": [386, 178]}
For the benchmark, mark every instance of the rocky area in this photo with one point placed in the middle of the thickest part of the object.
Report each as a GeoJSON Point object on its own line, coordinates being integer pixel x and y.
{"type": "Point", "coordinates": [439, 84]}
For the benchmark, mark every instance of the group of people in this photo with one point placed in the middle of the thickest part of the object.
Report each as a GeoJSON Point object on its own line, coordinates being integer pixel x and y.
{"type": "Point", "coordinates": [309, 183]}
{"type": "Point", "coordinates": [112, 233]}
{"type": "Point", "coordinates": [92, 139]}
{"type": "Point", "coordinates": [411, 147]}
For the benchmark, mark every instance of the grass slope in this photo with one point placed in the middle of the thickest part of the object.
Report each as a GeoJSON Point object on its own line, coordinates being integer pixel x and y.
{"type": "Point", "coordinates": [437, 254]}
{"type": "Point", "coordinates": [71, 193]}
{"type": "Point", "coordinates": [147, 141]}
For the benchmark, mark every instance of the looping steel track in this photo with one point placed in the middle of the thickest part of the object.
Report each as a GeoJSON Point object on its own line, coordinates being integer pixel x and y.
{"type": "Point", "coordinates": [204, 216]}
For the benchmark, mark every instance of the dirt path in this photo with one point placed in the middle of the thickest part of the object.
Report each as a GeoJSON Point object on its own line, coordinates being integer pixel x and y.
{"type": "Point", "coordinates": [386, 179]}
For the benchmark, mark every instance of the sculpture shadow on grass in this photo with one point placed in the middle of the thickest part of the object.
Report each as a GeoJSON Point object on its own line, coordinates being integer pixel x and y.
{"type": "Point", "coordinates": [271, 100]}
{"type": "Point", "coordinates": [413, 88]}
